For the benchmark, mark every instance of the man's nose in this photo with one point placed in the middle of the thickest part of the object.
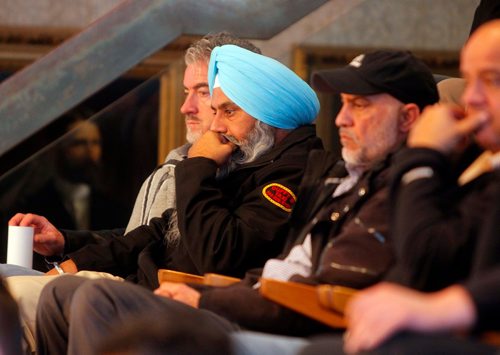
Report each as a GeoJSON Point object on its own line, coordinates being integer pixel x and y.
{"type": "Point", "coordinates": [343, 118]}
{"type": "Point", "coordinates": [218, 124]}
{"type": "Point", "coordinates": [190, 105]}
{"type": "Point", "coordinates": [473, 95]}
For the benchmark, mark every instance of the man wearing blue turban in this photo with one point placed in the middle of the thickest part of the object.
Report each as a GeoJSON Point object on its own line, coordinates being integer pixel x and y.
{"type": "Point", "coordinates": [257, 102]}
{"type": "Point", "coordinates": [238, 186]}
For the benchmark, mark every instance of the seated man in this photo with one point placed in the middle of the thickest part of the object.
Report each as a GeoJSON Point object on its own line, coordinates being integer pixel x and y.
{"type": "Point", "coordinates": [234, 192]}
{"type": "Point", "coordinates": [451, 246]}
{"type": "Point", "coordinates": [452, 240]}
{"type": "Point", "coordinates": [232, 214]}
{"type": "Point", "coordinates": [340, 223]}
{"type": "Point", "coordinates": [157, 193]}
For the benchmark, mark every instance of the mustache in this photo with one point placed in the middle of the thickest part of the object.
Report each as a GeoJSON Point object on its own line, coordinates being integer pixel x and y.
{"type": "Point", "coordinates": [192, 118]}
{"type": "Point", "coordinates": [345, 132]}
{"type": "Point", "coordinates": [232, 139]}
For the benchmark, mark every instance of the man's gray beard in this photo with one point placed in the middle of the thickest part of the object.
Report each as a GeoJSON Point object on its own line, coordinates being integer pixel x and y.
{"type": "Point", "coordinates": [192, 137]}
{"type": "Point", "coordinates": [259, 141]}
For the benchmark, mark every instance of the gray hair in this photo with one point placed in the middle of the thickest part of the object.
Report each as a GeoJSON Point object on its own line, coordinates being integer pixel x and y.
{"type": "Point", "coordinates": [172, 234]}
{"type": "Point", "coordinates": [201, 49]}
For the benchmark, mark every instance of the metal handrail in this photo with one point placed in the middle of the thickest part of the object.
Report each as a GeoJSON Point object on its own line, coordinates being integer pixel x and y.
{"type": "Point", "coordinates": [135, 29]}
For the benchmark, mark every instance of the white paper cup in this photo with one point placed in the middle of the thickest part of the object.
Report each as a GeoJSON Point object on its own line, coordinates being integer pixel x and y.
{"type": "Point", "coordinates": [20, 246]}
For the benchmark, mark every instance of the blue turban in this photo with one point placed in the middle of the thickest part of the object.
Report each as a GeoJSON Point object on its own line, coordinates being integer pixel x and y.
{"type": "Point", "coordinates": [263, 87]}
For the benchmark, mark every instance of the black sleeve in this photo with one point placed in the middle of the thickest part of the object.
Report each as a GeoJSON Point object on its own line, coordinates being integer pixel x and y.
{"type": "Point", "coordinates": [75, 240]}
{"type": "Point", "coordinates": [243, 305]}
{"type": "Point", "coordinates": [484, 282]}
{"type": "Point", "coordinates": [433, 223]}
{"type": "Point", "coordinates": [119, 255]}
{"type": "Point", "coordinates": [485, 292]}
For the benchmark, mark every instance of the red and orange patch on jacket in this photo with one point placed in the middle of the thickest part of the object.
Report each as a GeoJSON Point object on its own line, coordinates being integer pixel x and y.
{"type": "Point", "coordinates": [280, 196]}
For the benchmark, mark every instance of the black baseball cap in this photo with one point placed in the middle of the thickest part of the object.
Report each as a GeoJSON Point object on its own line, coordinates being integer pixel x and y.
{"type": "Point", "coordinates": [397, 73]}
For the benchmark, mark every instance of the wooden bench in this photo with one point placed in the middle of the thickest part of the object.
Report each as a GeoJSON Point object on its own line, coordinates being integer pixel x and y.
{"type": "Point", "coordinates": [210, 279]}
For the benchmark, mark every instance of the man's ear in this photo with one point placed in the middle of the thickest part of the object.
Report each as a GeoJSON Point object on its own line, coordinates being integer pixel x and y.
{"type": "Point", "coordinates": [408, 117]}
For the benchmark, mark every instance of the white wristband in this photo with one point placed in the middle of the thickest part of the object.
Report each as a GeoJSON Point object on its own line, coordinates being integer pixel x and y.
{"type": "Point", "coordinates": [58, 268]}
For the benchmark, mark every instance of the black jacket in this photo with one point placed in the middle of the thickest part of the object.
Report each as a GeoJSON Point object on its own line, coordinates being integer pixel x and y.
{"type": "Point", "coordinates": [447, 233]}
{"type": "Point", "coordinates": [437, 221]}
{"type": "Point", "coordinates": [348, 241]}
{"type": "Point", "coordinates": [227, 226]}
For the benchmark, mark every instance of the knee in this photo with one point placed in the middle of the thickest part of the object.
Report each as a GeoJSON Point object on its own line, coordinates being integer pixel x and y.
{"type": "Point", "coordinates": [62, 285]}
{"type": "Point", "coordinates": [57, 293]}
{"type": "Point", "coordinates": [94, 294]}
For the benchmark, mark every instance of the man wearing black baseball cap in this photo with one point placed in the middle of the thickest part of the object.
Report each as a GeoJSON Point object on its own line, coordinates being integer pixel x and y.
{"type": "Point", "coordinates": [383, 94]}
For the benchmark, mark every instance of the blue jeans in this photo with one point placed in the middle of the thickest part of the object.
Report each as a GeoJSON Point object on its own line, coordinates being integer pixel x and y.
{"type": "Point", "coordinates": [253, 343]}
{"type": "Point", "coordinates": [7, 270]}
